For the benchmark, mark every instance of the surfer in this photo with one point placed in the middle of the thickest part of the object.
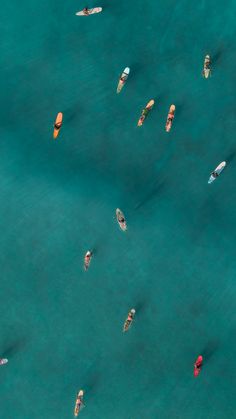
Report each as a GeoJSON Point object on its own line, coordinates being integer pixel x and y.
{"type": "Point", "coordinates": [215, 174]}
{"type": "Point", "coordinates": [170, 117]}
{"type": "Point", "coordinates": [206, 68]}
{"type": "Point", "coordinates": [129, 320]}
{"type": "Point", "coordinates": [57, 125]}
{"type": "Point", "coordinates": [79, 402]}
{"type": "Point", "coordinates": [145, 112]}
{"type": "Point", "coordinates": [87, 260]}
{"type": "Point", "coordinates": [3, 361]}
{"type": "Point", "coordinates": [121, 219]}
{"type": "Point", "coordinates": [122, 79]}
{"type": "Point", "coordinates": [86, 11]}
{"type": "Point", "coordinates": [198, 365]}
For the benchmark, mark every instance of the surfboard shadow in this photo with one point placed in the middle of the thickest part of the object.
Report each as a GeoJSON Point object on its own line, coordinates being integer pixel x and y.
{"type": "Point", "coordinates": [210, 349]}
{"type": "Point", "coordinates": [14, 348]}
{"type": "Point", "coordinates": [151, 195]}
{"type": "Point", "coordinates": [230, 157]}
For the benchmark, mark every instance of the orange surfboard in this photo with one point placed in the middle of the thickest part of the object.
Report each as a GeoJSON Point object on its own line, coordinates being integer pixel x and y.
{"type": "Point", "coordinates": [57, 125]}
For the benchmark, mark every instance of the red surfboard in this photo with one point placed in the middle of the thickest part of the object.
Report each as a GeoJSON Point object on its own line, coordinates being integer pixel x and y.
{"type": "Point", "coordinates": [198, 366]}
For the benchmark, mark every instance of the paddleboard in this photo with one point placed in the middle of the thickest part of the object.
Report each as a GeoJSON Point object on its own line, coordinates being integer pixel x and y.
{"type": "Point", "coordinates": [90, 11]}
{"type": "Point", "coordinates": [78, 405]}
{"type": "Point", "coordinates": [217, 172]}
{"type": "Point", "coordinates": [57, 125]}
{"type": "Point", "coordinates": [145, 112]}
{"type": "Point", "coordinates": [170, 118]}
{"type": "Point", "coordinates": [206, 70]}
{"type": "Point", "coordinates": [3, 361]}
{"type": "Point", "coordinates": [121, 219]}
{"type": "Point", "coordinates": [197, 366]}
{"type": "Point", "coordinates": [122, 80]}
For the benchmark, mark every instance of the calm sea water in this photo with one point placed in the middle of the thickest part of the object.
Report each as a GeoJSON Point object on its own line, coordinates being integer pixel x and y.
{"type": "Point", "coordinates": [61, 328]}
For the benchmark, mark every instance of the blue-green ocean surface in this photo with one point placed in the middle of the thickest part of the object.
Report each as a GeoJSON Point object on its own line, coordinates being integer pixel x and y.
{"type": "Point", "coordinates": [61, 327]}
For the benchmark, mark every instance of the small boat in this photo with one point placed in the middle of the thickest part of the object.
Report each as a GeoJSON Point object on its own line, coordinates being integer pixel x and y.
{"type": "Point", "coordinates": [79, 403]}
{"type": "Point", "coordinates": [57, 125]}
{"type": "Point", "coordinates": [170, 118]}
{"type": "Point", "coordinates": [217, 172]}
{"type": "Point", "coordinates": [206, 72]}
{"type": "Point", "coordinates": [87, 12]}
{"type": "Point", "coordinates": [197, 366]}
{"type": "Point", "coordinates": [145, 112]}
{"type": "Point", "coordinates": [122, 80]}
{"type": "Point", "coordinates": [121, 219]}
{"type": "Point", "coordinates": [129, 320]}
{"type": "Point", "coordinates": [3, 361]}
{"type": "Point", "coordinates": [87, 260]}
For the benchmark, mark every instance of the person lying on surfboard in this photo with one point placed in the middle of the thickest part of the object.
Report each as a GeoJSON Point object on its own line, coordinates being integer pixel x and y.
{"type": "Point", "coordinates": [129, 320]}
{"type": "Point", "coordinates": [198, 365]}
{"type": "Point", "coordinates": [145, 112]}
{"type": "Point", "coordinates": [87, 260]}
{"type": "Point", "coordinates": [79, 403]}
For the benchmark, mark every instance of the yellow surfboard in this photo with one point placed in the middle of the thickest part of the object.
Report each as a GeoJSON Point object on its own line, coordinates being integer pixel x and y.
{"type": "Point", "coordinates": [57, 125]}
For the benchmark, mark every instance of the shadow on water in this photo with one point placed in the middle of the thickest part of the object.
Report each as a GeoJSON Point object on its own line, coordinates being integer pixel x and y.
{"type": "Point", "coordinates": [14, 348]}
{"type": "Point", "coordinates": [158, 187]}
{"type": "Point", "coordinates": [210, 349]}
{"type": "Point", "coordinates": [217, 56]}
{"type": "Point", "coordinates": [91, 383]}
{"type": "Point", "coordinates": [230, 157]}
{"type": "Point", "coordinates": [71, 114]}
{"type": "Point", "coordinates": [140, 306]}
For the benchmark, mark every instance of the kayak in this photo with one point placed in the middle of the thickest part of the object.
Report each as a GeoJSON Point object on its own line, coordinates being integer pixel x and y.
{"type": "Point", "coordinates": [170, 118]}
{"type": "Point", "coordinates": [57, 125]}
{"type": "Point", "coordinates": [206, 69]}
{"type": "Point", "coordinates": [145, 112]}
{"type": "Point", "coordinates": [121, 219]}
{"type": "Point", "coordinates": [197, 366]}
{"type": "Point", "coordinates": [90, 11]}
{"type": "Point", "coordinates": [122, 80]}
{"type": "Point", "coordinates": [217, 172]}
{"type": "Point", "coordinates": [129, 320]}
{"type": "Point", "coordinates": [3, 361]}
{"type": "Point", "coordinates": [87, 260]}
{"type": "Point", "coordinates": [79, 402]}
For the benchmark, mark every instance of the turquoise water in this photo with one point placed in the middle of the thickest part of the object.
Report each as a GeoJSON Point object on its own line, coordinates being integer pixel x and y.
{"type": "Point", "coordinates": [61, 328]}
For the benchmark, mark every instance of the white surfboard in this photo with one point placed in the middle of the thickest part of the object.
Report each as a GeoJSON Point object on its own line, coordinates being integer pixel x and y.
{"type": "Point", "coordinates": [122, 80]}
{"type": "Point", "coordinates": [90, 11]}
{"type": "Point", "coordinates": [217, 172]}
{"type": "Point", "coordinates": [206, 70]}
{"type": "Point", "coordinates": [3, 361]}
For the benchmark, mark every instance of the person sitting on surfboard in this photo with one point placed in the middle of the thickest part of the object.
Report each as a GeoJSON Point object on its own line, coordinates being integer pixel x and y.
{"type": "Point", "coordinates": [58, 125]}
{"type": "Point", "coordinates": [86, 11]}
{"type": "Point", "coordinates": [215, 174]}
